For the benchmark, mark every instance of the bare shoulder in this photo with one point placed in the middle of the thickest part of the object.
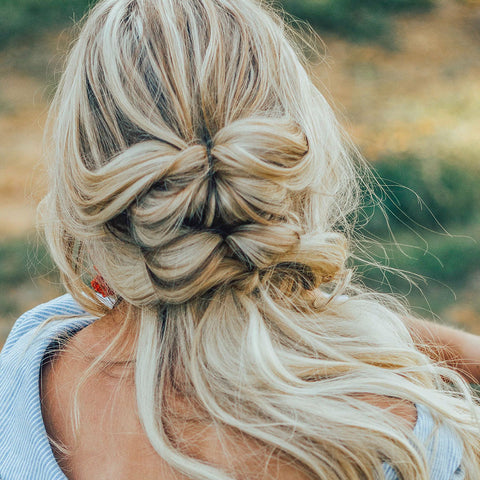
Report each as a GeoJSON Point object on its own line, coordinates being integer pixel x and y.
{"type": "Point", "coordinates": [109, 422]}
{"type": "Point", "coordinates": [402, 408]}
{"type": "Point", "coordinates": [108, 438]}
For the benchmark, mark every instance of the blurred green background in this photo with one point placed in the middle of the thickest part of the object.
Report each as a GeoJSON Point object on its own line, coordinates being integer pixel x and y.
{"type": "Point", "coordinates": [403, 78]}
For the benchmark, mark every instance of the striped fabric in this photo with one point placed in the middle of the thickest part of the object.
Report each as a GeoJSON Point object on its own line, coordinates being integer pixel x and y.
{"type": "Point", "coordinates": [25, 452]}
{"type": "Point", "coordinates": [444, 449]}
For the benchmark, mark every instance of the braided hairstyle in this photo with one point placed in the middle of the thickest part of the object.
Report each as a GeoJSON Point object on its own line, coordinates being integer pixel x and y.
{"type": "Point", "coordinates": [189, 171]}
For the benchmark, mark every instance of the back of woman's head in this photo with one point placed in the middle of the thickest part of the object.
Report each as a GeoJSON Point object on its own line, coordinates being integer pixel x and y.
{"type": "Point", "coordinates": [194, 152]}
{"type": "Point", "coordinates": [199, 170]}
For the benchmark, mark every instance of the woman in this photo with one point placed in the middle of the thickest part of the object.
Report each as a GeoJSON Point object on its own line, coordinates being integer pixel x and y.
{"type": "Point", "coordinates": [202, 179]}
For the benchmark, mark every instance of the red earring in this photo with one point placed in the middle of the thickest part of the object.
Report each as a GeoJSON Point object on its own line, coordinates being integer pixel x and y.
{"type": "Point", "coordinates": [100, 286]}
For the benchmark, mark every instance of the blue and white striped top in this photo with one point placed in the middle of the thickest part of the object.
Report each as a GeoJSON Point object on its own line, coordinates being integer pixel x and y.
{"type": "Point", "coordinates": [25, 452]}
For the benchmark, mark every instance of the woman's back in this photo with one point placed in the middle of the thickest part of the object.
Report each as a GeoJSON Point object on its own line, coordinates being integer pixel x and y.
{"type": "Point", "coordinates": [110, 441]}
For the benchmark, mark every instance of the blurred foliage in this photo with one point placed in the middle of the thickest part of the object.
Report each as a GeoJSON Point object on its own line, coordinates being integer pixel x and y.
{"type": "Point", "coordinates": [22, 261]}
{"type": "Point", "coordinates": [430, 228]}
{"type": "Point", "coordinates": [356, 20]}
{"type": "Point", "coordinates": [426, 192]}
{"type": "Point", "coordinates": [441, 258]}
{"type": "Point", "coordinates": [24, 18]}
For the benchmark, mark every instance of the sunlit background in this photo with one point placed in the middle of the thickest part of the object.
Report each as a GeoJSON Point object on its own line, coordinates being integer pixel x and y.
{"type": "Point", "coordinates": [403, 77]}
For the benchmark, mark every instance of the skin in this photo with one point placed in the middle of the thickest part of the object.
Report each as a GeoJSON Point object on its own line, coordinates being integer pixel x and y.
{"type": "Point", "coordinates": [110, 442]}
{"type": "Point", "coordinates": [455, 348]}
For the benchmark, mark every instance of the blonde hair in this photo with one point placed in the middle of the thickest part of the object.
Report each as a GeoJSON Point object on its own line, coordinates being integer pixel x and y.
{"type": "Point", "coordinates": [201, 172]}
